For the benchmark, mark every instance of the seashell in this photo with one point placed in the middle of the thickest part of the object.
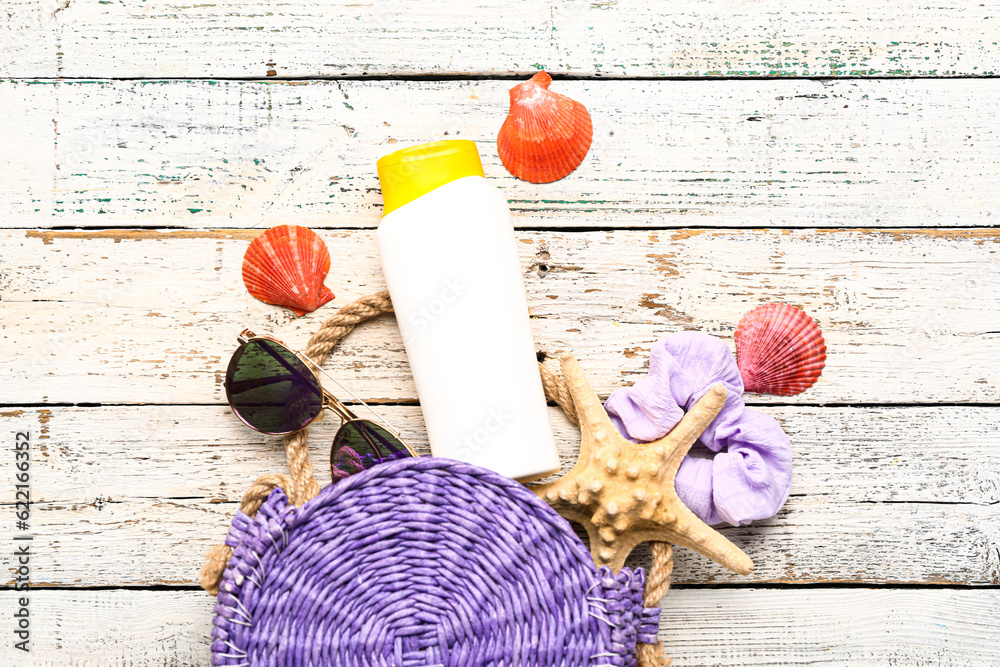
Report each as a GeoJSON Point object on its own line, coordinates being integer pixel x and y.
{"type": "Point", "coordinates": [779, 350]}
{"type": "Point", "coordinates": [285, 266]}
{"type": "Point", "coordinates": [546, 135]}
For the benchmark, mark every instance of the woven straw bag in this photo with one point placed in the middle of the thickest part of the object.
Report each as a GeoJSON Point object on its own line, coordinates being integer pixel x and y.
{"type": "Point", "coordinates": [424, 561]}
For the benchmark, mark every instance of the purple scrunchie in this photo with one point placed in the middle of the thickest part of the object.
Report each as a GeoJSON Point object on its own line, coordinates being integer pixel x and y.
{"type": "Point", "coordinates": [748, 481]}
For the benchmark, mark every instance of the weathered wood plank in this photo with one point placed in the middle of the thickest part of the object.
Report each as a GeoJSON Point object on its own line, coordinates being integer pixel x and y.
{"type": "Point", "coordinates": [150, 317]}
{"type": "Point", "coordinates": [665, 153]}
{"type": "Point", "coordinates": [812, 540]}
{"type": "Point", "coordinates": [647, 38]}
{"type": "Point", "coordinates": [134, 628]}
{"type": "Point", "coordinates": [136, 495]}
{"type": "Point", "coordinates": [121, 453]}
{"type": "Point", "coordinates": [115, 628]}
{"type": "Point", "coordinates": [832, 627]}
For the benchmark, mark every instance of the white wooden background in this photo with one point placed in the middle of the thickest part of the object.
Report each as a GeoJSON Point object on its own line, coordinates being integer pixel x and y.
{"type": "Point", "coordinates": [840, 156]}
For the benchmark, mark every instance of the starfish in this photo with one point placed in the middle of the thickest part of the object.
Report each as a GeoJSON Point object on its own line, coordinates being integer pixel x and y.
{"type": "Point", "coordinates": [623, 493]}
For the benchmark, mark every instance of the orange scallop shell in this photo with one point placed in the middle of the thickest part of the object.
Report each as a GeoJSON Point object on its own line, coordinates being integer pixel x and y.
{"type": "Point", "coordinates": [285, 266]}
{"type": "Point", "coordinates": [546, 135]}
{"type": "Point", "coordinates": [779, 350]}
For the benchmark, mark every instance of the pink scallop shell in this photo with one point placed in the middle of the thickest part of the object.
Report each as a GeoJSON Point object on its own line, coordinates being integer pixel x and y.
{"type": "Point", "coordinates": [779, 349]}
{"type": "Point", "coordinates": [286, 266]}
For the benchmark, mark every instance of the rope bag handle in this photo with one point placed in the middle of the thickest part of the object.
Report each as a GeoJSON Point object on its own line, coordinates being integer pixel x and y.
{"type": "Point", "coordinates": [301, 485]}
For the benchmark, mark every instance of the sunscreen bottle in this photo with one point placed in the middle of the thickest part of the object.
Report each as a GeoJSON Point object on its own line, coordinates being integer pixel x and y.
{"type": "Point", "coordinates": [451, 264]}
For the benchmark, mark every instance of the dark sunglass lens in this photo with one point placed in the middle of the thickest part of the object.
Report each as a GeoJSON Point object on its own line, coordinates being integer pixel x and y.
{"type": "Point", "coordinates": [361, 444]}
{"type": "Point", "coordinates": [270, 389]}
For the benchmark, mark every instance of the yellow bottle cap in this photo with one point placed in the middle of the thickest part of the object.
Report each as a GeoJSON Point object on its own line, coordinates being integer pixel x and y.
{"type": "Point", "coordinates": [412, 172]}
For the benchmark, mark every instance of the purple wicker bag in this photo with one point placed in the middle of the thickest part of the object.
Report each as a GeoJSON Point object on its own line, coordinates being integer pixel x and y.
{"type": "Point", "coordinates": [422, 561]}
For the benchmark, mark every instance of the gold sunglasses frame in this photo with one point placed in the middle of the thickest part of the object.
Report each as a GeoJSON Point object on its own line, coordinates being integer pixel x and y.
{"type": "Point", "coordinates": [330, 402]}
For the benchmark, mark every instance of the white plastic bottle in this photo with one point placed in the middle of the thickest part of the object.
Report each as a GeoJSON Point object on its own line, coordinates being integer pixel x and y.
{"type": "Point", "coordinates": [450, 260]}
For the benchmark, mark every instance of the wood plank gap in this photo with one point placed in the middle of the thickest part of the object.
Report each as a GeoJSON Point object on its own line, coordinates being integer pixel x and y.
{"type": "Point", "coordinates": [498, 77]}
{"type": "Point", "coordinates": [411, 403]}
{"type": "Point", "coordinates": [151, 588]}
{"type": "Point", "coordinates": [111, 230]}
{"type": "Point", "coordinates": [776, 586]}
{"type": "Point", "coordinates": [837, 585]}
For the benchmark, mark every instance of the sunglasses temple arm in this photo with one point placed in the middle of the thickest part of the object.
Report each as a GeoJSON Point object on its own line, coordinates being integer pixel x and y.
{"type": "Point", "coordinates": [355, 397]}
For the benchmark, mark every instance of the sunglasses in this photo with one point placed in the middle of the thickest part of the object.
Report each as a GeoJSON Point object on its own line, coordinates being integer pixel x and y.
{"type": "Point", "coordinates": [274, 390]}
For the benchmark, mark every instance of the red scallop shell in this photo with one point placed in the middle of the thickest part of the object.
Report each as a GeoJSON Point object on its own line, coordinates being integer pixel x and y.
{"type": "Point", "coordinates": [546, 135]}
{"type": "Point", "coordinates": [286, 266]}
{"type": "Point", "coordinates": [779, 350]}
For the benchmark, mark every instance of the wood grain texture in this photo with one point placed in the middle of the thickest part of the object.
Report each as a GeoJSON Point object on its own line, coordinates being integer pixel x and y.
{"type": "Point", "coordinates": [117, 628]}
{"type": "Point", "coordinates": [710, 628]}
{"type": "Point", "coordinates": [404, 37]}
{"type": "Point", "coordinates": [151, 317]}
{"type": "Point", "coordinates": [120, 453]}
{"type": "Point", "coordinates": [133, 496]}
{"type": "Point", "coordinates": [714, 628]}
{"type": "Point", "coordinates": [881, 153]}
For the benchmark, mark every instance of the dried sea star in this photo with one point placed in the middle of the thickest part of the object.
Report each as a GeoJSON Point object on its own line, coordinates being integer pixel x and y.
{"type": "Point", "coordinates": [623, 493]}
